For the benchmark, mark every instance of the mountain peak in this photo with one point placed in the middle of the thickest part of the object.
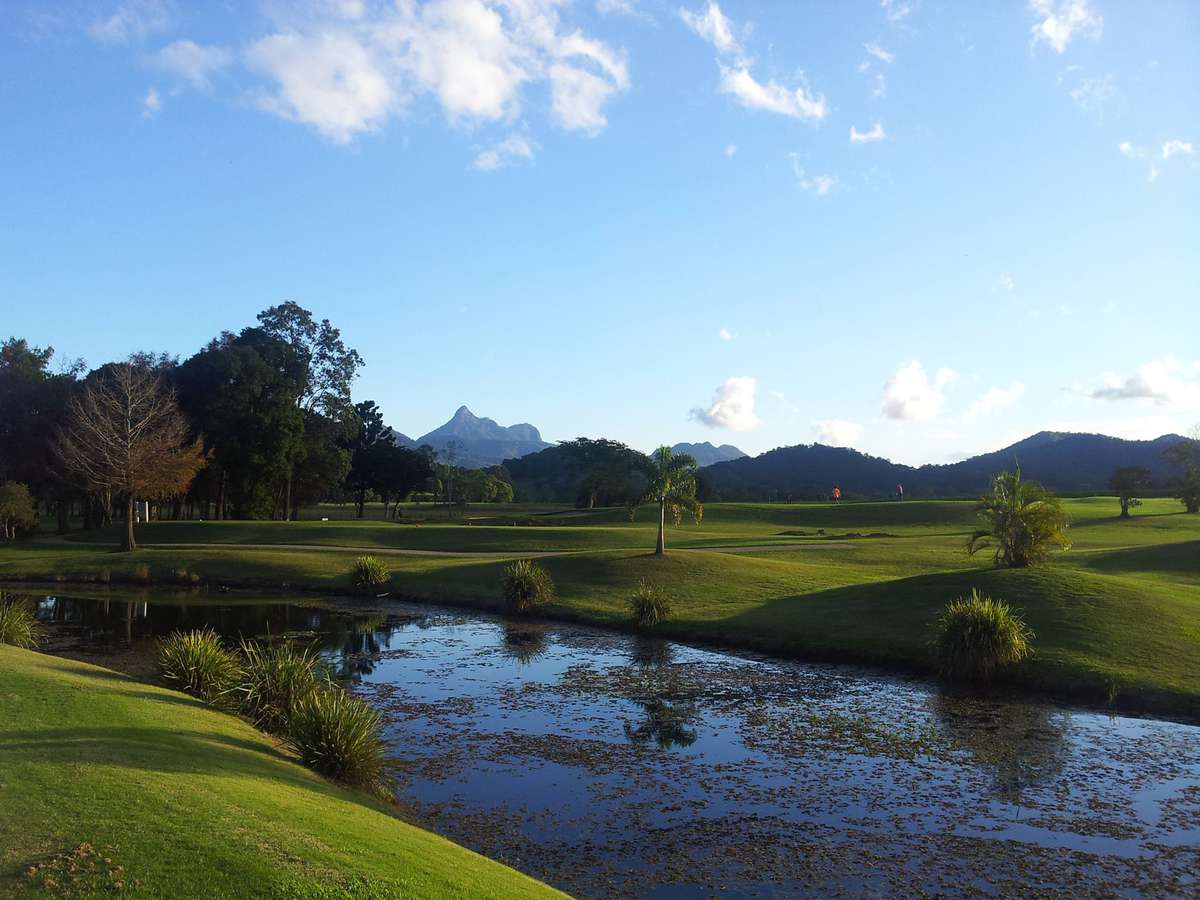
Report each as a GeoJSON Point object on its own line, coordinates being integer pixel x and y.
{"type": "Point", "coordinates": [480, 441]}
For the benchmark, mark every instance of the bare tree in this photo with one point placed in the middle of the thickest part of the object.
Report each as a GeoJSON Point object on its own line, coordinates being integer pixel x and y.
{"type": "Point", "coordinates": [126, 436]}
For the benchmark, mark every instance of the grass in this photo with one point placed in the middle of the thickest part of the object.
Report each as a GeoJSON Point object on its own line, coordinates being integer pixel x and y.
{"type": "Point", "coordinates": [1117, 617]}
{"type": "Point", "coordinates": [108, 784]}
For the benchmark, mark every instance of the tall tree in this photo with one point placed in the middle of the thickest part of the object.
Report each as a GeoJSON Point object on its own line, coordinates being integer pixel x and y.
{"type": "Point", "coordinates": [327, 366]}
{"type": "Point", "coordinates": [672, 485]}
{"type": "Point", "coordinates": [1024, 522]}
{"type": "Point", "coordinates": [126, 435]}
{"type": "Point", "coordinates": [371, 433]}
{"type": "Point", "coordinates": [1185, 457]}
{"type": "Point", "coordinates": [1126, 482]}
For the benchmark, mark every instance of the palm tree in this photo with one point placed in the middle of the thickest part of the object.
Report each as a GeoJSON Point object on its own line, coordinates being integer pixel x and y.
{"type": "Point", "coordinates": [1024, 521]}
{"type": "Point", "coordinates": [672, 485]}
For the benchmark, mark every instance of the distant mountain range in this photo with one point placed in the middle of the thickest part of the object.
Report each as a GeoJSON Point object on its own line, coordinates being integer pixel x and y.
{"type": "Point", "coordinates": [706, 454]}
{"type": "Point", "coordinates": [1064, 462]}
{"type": "Point", "coordinates": [480, 442]}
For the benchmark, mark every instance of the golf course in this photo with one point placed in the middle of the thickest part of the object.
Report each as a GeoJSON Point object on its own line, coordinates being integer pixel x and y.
{"type": "Point", "coordinates": [1115, 618]}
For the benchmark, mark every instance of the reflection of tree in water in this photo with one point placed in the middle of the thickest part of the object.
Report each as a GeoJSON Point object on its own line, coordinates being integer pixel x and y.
{"type": "Point", "coordinates": [651, 653]}
{"type": "Point", "coordinates": [665, 723]}
{"type": "Point", "coordinates": [524, 643]}
{"type": "Point", "coordinates": [1023, 743]}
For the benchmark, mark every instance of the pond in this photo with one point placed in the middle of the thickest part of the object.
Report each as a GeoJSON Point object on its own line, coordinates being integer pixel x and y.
{"type": "Point", "coordinates": [611, 765]}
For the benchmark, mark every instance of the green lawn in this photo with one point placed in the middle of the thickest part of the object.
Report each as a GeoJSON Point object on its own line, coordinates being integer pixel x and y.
{"type": "Point", "coordinates": [108, 784]}
{"type": "Point", "coordinates": [1117, 617]}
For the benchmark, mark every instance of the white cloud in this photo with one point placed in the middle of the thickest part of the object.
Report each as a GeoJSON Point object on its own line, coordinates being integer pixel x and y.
{"type": "Point", "coordinates": [730, 150]}
{"type": "Point", "coordinates": [1060, 20]}
{"type": "Point", "coordinates": [713, 26]}
{"type": "Point", "coordinates": [879, 53]}
{"type": "Point", "coordinates": [1130, 150]}
{"type": "Point", "coordinates": [994, 400]}
{"type": "Point", "coordinates": [732, 407]}
{"type": "Point", "coordinates": [347, 71]}
{"type": "Point", "coordinates": [1005, 283]}
{"type": "Point", "coordinates": [151, 103]}
{"type": "Point", "coordinates": [798, 103]}
{"type": "Point", "coordinates": [617, 8]}
{"type": "Point", "coordinates": [1171, 148]}
{"type": "Point", "coordinates": [1092, 94]}
{"type": "Point", "coordinates": [815, 184]}
{"type": "Point", "coordinates": [909, 395]}
{"type": "Point", "coordinates": [867, 137]}
{"type": "Point", "coordinates": [512, 149]}
{"type": "Point", "coordinates": [837, 432]}
{"type": "Point", "coordinates": [132, 21]}
{"type": "Point", "coordinates": [896, 10]}
{"type": "Point", "coordinates": [192, 61]}
{"type": "Point", "coordinates": [1166, 381]}
{"type": "Point", "coordinates": [726, 335]}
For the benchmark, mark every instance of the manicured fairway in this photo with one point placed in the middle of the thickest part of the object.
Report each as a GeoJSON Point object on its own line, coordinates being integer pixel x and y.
{"type": "Point", "coordinates": [110, 785]}
{"type": "Point", "coordinates": [1117, 617]}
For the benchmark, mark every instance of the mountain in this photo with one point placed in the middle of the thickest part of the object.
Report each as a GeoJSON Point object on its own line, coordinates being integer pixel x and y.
{"type": "Point", "coordinates": [706, 454]}
{"type": "Point", "coordinates": [1064, 462]}
{"type": "Point", "coordinates": [481, 442]}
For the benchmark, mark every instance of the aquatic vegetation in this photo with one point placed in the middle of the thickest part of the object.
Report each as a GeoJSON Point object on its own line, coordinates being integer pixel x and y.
{"type": "Point", "coordinates": [196, 663]}
{"type": "Point", "coordinates": [339, 735]}
{"type": "Point", "coordinates": [369, 573]}
{"type": "Point", "coordinates": [977, 635]}
{"type": "Point", "coordinates": [274, 678]}
{"type": "Point", "coordinates": [527, 585]}
{"type": "Point", "coordinates": [648, 606]}
{"type": "Point", "coordinates": [18, 627]}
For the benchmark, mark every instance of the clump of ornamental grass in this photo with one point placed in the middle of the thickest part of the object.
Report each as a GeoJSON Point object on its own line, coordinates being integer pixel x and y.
{"type": "Point", "coordinates": [18, 627]}
{"type": "Point", "coordinates": [274, 678]}
{"type": "Point", "coordinates": [976, 636]}
{"type": "Point", "coordinates": [527, 586]}
{"type": "Point", "coordinates": [648, 606]}
{"type": "Point", "coordinates": [196, 663]}
{"type": "Point", "coordinates": [369, 574]}
{"type": "Point", "coordinates": [338, 735]}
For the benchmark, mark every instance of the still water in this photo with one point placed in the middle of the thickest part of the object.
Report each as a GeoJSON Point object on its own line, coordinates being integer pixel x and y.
{"type": "Point", "coordinates": [611, 765]}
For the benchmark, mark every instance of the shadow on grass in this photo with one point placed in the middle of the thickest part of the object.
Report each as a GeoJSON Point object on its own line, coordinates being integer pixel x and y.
{"type": "Point", "coordinates": [1179, 559]}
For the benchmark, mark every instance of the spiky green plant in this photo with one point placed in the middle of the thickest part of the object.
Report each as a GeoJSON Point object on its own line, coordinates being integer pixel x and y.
{"type": "Point", "coordinates": [18, 627]}
{"type": "Point", "coordinates": [339, 735]}
{"type": "Point", "coordinates": [369, 574]}
{"type": "Point", "coordinates": [671, 484]}
{"type": "Point", "coordinates": [648, 606]}
{"type": "Point", "coordinates": [527, 585]}
{"type": "Point", "coordinates": [1025, 522]}
{"type": "Point", "coordinates": [976, 636]}
{"type": "Point", "coordinates": [196, 663]}
{"type": "Point", "coordinates": [275, 677]}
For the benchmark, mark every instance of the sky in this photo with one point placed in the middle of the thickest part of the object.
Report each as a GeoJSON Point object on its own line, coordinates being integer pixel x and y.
{"type": "Point", "coordinates": [921, 229]}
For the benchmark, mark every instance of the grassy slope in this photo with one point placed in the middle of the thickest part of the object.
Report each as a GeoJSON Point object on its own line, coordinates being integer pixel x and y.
{"type": "Point", "coordinates": [192, 802]}
{"type": "Point", "coordinates": [1119, 612]}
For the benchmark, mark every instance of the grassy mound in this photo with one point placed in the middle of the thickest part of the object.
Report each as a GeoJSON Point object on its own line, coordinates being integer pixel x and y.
{"type": "Point", "coordinates": [108, 784]}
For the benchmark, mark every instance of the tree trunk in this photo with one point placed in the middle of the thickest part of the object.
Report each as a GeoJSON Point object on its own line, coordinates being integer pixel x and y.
{"type": "Point", "coordinates": [661, 550]}
{"type": "Point", "coordinates": [221, 497]}
{"type": "Point", "coordinates": [64, 511]}
{"type": "Point", "coordinates": [287, 499]}
{"type": "Point", "coordinates": [1124, 507]}
{"type": "Point", "coordinates": [129, 543]}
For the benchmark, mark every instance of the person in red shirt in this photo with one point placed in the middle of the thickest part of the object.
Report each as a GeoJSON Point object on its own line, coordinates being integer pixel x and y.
{"type": "Point", "coordinates": [837, 494]}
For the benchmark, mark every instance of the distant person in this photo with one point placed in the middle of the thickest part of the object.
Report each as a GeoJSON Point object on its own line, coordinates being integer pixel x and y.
{"type": "Point", "coordinates": [837, 494]}
{"type": "Point", "coordinates": [899, 492]}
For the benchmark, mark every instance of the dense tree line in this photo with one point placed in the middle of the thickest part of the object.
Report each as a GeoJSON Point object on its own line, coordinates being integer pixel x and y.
{"type": "Point", "coordinates": [256, 424]}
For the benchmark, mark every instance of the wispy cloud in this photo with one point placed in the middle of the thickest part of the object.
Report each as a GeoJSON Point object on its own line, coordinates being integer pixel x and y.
{"type": "Point", "coordinates": [1175, 147]}
{"type": "Point", "coordinates": [994, 400]}
{"type": "Point", "coordinates": [1058, 21]}
{"type": "Point", "coordinates": [876, 133]}
{"type": "Point", "coordinates": [515, 148]}
{"type": "Point", "coordinates": [879, 53]}
{"type": "Point", "coordinates": [132, 21]}
{"type": "Point", "coordinates": [1093, 94]}
{"type": "Point", "coordinates": [730, 150]}
{"type": "Point", "coordinates": [192, 61]}
{"type": "Point", "coordinates": [732, 407]}
{"type": "Point", "coordinates": [837, 432]}
{"type": "Point", "coordinates": [712, 25]}
{"type": "Point", "coordinates": [151, 103]}
{"type": "Point", "coordinates": [1166, 381]}
{"type": "Point", "coordinates": [814, 184]}
{"type": "Point", "coordinates": [726, 335]}
{"type": "Point", "coordinates": [896, 10]}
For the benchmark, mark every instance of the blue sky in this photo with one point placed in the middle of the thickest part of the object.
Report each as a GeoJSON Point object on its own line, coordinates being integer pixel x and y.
{"type": "Point", "coordinates": [921, 229]}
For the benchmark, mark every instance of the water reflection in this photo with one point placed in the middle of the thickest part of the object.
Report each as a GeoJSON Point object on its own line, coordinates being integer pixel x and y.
{"type": "Point", "coordinates": [664, 723]}
{"type": "Point", "coordinates": [523, 642]}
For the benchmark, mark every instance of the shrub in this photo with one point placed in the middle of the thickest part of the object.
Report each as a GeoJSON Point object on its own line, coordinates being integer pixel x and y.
{"type": "Point", "coordinates": [648, 606]}
{"type": "Point", "coordinates": [17, 511]}
{"type": "Point", "coordinates": [1024, 522]}
{"type": "Point", "coordinates": [197, 664]}
{"type": "Point", "coordinates": [977, 635]}
{"type": "Point", "coordinates": [527, 585]}
{"type": "Point", "coordinates": [275, 677]}
{"type": "Point", "coordinates": [18, 627]}
{"type": "Point", "coordinates": [338, 735]}
{"type": "Point", "coordinates": [369, 573]}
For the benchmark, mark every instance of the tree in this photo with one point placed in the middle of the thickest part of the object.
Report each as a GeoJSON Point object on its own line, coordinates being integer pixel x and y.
{"type": "Point", "coordinates": [16, 509]}
{"type": "Point", "coordinates": [127, 436]}
{"type": "Point", "coordinates": [1126, 482]}
{"type": "Point", "coordinates": [364, 458]}
{"type": "Point", "coordinates": [1025, 521]}
{"type": "Point", "coordinates": [672, 485]}
{"type": "Point", "coordinates": [1185, 456]}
